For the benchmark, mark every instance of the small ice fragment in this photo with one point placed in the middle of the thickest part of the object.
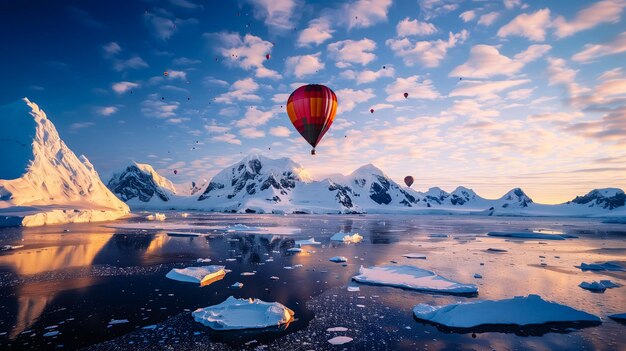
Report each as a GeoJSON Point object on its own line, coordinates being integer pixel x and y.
{"type": "Point", "coordinates": [437, 235]}
{"type": "Point", "coordinates": [184, 214]}
{"type": "Point", "coordinates": [294, 249]}
{"type": "Point", "coordinates": [247, 273]}
{"type": "Point", "coordinates": [51, 333]}
{"type": "Point", "coordinates": [150, 327]}
{"type": "Point", "coordinates": [198, 275]}
{"type": "Point", "coordinates": [310, 241]}
{"type": "Point", "coordinates": [156, 217]}
{"type": "Point", "coordinates": [11, 247]}
{"type": "Point", "coordinates": [353, 288]}
{"type": "Point", "coordinates": [346, 237]}
{"type": "Point", "coordinates": [274, 277]}
{"type": "Point", "coordinates": [477, 276]}
{"type": "Point", "coordinates": [415, 256]}
{"type": "Point", "coordinates": [337, 329]}
{"type": "Point", "coordinates": [338, 259]}
{"type": "Point", "coordinates": [606, 266]}
{"type": "Point", "coordinates": [203, 260]}
{"type": "Point", "coordinates": [118, 321]}
{"type": "Point", "coordinates": [340, 340]}
{"type": "Point", "coordinates": [493, 249]}
{"type": "Point", "coordinates": [237, 285]}
{"type": "Point", "coordinates": [593, 286]}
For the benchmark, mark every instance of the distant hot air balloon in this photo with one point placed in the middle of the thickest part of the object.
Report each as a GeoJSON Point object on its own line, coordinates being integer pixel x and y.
{"type": "Point", "coordinates": [267, 56]}
{"type": "Point", "coordinates": [175, 171]}
{"type": "Point", "coordinates": [166, 73]}
{"type": "Point", "coordinates": [311, 109]}
{"type": "Point", "coordinates": [371, 110]}
{"type": "Point", "coordinates": [384, 67]}
{"type": "Point", "coordinates": [408, 180]}
{"type": "Point", "coordinates": [406, 95]}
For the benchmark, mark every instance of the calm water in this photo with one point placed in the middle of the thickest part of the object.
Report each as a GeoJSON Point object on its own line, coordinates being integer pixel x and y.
{"type": "Point", "coordinates": [74, 279]}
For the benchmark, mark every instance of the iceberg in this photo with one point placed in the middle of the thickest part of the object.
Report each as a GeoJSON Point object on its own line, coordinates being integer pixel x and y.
{"type": "Point", "coordinates": [346, 237]}
{"type": "Point", "coordinates": [410, 277]}
{"type": "Point", "coordinates": [235, 314]}
{"type": "Point", "coordinates": [340, 340]}
{"type": "Point", "coordinates": [518, 311]}
{"type": "Point", "coordinates": [203, 275]}
{"type": "Point", "coordinates": [338, 259]}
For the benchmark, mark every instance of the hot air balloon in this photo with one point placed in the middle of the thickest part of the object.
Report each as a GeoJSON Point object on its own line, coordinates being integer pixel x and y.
{"type": "Point", "coordinates": [371, 110]}
{"type": "Point", "coordinates": [175, 171]}
{"type": "Point", "coordinates": [408, 180]}
{"type": "Point", "coordinates": [311, 109]}
{"type": "Point", "coordinates": [267, 56]}
{"type": "Point", "coordinates": [166, 73]}
{"type": "Point", "coordinates": [406, 95]}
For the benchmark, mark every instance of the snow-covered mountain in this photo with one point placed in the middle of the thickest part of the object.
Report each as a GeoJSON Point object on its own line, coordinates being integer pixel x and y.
{"type": "Point", "coordinates": [258, 184]}
{"type": "Point", "coordinates": [141, 182]}
{"type": "Point", "coordinates": [41, 179]}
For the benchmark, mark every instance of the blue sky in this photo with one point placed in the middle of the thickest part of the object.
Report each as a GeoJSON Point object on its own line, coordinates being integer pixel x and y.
{"type": "Point", "coordinates": [501, 93]}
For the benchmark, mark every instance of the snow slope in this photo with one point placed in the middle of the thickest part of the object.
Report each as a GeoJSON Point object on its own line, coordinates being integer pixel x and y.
{"type": "Point", "coordinates": [41, 179]}
{"type": "Point", "coordinates": [258, 184]}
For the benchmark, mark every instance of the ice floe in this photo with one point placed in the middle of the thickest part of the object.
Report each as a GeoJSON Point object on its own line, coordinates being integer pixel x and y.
{"type": "Point", "coordinates": [338, 259]}
{"type": "Point", "coordinates": [337, 329]}
{"type": "Point", "coordinates": [234, 314]}
{"type": "Point", "coordinates": [411, 277]}
{"type": "Point", "coordinates": [203, 260]}
{"type": "Point", "coordinates": [492, 249]}
{"type": "Point", "coordinates": [415, 256]}
{"type": "Point", "coordinates": [237, 285]}
{"type": "Point", "coordinates": [606, 266]}
{"type": "Point", "coordinates": [600, 286]}
{"type": "Point", "coordinates": [618, 317]}
{"type": "Point", "coordinates": [310, 241]}
{"type": "Point", "coordinates": [156, 217]}
{"type": "Point", "coordinates": [526, 235]}
{"type": "Point", "coordinates": [437, 235]}
{"type": "Point", "coordinates": [11, 247]}
{"type": "Point", "coordinates": [520, 310]}
{"type": "Point", "coordinates": [346, 237]}
{"type": "Point", "coordinates": [294, 249]}
{"type": "Point", "coordinates": [340, 340]}
{"type": "Point", "coordinates": [200, 275]}
{"type": "Point", "coordinates": [118, 321]}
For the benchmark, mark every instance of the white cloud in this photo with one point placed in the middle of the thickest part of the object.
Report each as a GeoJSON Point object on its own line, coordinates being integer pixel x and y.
{"type": "Point", "coordinates": [368, 76]}
{"type": "Point", "coordinates": [162, 27]}
{"type": "Point", "coordinates": [349, 98]}
{"type": "Point", "coordinates": [111, 48]}
{"type": "Point", "coordinates": [607, 11]}
{"type": "Point", "coordinates": [280, 131]}
{"type": "Point", "coordinates": [134, 62]}
{"type": "Point", "coordinates": [107, 110]}
{"type": "Point", "coordinates": [510, 4]}
{"type": "Point", "coordinates": [227, 138]}
{"type": "Point", "coordinates": [486, 61]}
{"type": "Point", "coordinates": [560, 74]}
{"type": "Point", "coordinates": [254, 117]}
{"type": "Point", "coordinates": [416, 88]}
{"type": "Point", "coordinates": [427, 53]}
{"type": "Point", "coordinates": [434, 8]}
{"type": "Point", "coordinates": [216, 129]}
{"type": "Point", "coordinates": [520, 94]}
{"type": "Point", "coordinates": [467, 16]}
{"type": "Point", "coordinates": [80, 125]}
{"type": "Point", "coordinates": [594, 51]}
{"type": "Point", "coordinates": [532, 26]}
{"type": "Point", "coordinates": [122, 87]}
{"type": "Point", "coordinates": [185, 4]}
{"type": "Point", "coordinates": [173, 74]}
{"type": "Point", "coordinates": [408, 27]}
{"type": "Point", "coordinates": [347, 52]}
{"type": "Point", "coordinates": [247, 52]}
{"type": "Point", "coordinates": [365, 13]}
{"type": "Point", "coordinates": [280, 98]}
{"type": "Point", "coordinates": [304, 65]}
{"type": "Point", "coordinates": [275, 13]}
{"type": "Point", "coordinates": [316, 33]}
{"type": "Point", "coordinates": [377, 107]}
{"type": "Point", "coordinates": [153, 107]}
{"type": "Point", "coordinates": [184, 61]}
{"type": "Point", "coordinates": [251, 133]}
{"type": "Point", "coordinates": [241, 90]}
{"type": "Point", "coordinates": [488, 19]}
{"type": "Point", "coordinates": [485, 90]}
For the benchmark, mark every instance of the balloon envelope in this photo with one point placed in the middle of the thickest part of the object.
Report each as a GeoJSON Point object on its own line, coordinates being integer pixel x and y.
{"type": "Point", "coordinates": [408, 180]}
{"type": "Point", "coordinates": [311, 109]}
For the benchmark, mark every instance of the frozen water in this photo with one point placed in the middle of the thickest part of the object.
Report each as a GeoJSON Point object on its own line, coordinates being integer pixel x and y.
{"type": "Point", "coordinates": [197, 275]}
{"type": "Point", "coordinates": [235, 314]}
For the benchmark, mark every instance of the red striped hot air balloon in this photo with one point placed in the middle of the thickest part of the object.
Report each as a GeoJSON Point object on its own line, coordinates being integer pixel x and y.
{"type": "Point", "coordinates": [311, 109]}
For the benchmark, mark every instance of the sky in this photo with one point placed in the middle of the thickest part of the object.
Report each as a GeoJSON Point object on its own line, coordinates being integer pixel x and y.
{"type": "Point", "coordinates": [502, 94]}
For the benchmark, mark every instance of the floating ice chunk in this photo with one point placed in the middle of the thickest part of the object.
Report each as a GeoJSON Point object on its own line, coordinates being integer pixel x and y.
{"type": "Point", "coordinates": [526, 235]}
{"type": "Point", "coordinates": [118, 321]}
{"type": "Point", "coordinates": [237, 285]}
{"type": "Point", "coordinates": [353, 288]}
{"type": "Point", "coordinates": [294, 249]}
{"type": "Point", "coordinates": [200, 275]}
{"type": "Point", "coordinates": [415, 255]}
{"type": "Point", "coordinates": [340, 340]}
{"type": "Point", "coordinates": [235, 314]}
{"type": "Point", "coordinates": [51, 333]}
{"type": "Point", "coordinates": [241, 227]}
{"type": "Point", "coordinates": [150, 327]}
{"type": "Point", "coordinates": [491, 249]}
{"type": "Point", "coordinates": [606, 266]}
{"type": "Point", "coordinates": [346, 237]}
{"type": "Point", "coordinates": [338, 259]}
{"type": "Point", "coordinates": [156, 217]}
{"type": "Point", "coordinates": [203, 260]}
{"type": "Point", "coordinates": [478, 276]}
{"type": "Point", "coordinates": [274, 278]}
{"type": "Point", "coordinates": [520, 310]}
{"type": "Point", "coordinates": [609, 284]}
{"type": "Point", "coordinates": [593, 286]}
{"type": "Point", "coordinates": [245, 274]}
{"type": "Point", "coordinates": [11, 247]}
{"type": "Point", "coordinates": [185, 234]}
{"type": "Point", "coordinates": [184, 214]}
{"type": "Point", "coordinates": [618, 317]}
{"type": "Point", "coordinates": [437, 235]}
{"type": "Point", "coordinates": [337, 329]}
{"type": "Point", "coordinates": [411, 277]}
{"type": "Point", "coordinates": [310, 241]}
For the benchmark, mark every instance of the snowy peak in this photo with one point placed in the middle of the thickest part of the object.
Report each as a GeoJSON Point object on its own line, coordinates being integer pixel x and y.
{"type": "Point", "coordinates": [140, 181]}
{"type": "Point", "coordinates": [256, 175]}
{"type": "Point", "coordinates": [367, 170]}
{"type": "Point", "coordinates": [516, 197]}
{"type": "Point", "coordinates": [372, 183]}
{"type": "Point", "coordinates": [436, 195]}
{"type": "Point", "coordinates": [609, 198]}
{"type": "Point", "coordinates": [40, 170]}
{"type": "Point", "coordinates": [462, 195]}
